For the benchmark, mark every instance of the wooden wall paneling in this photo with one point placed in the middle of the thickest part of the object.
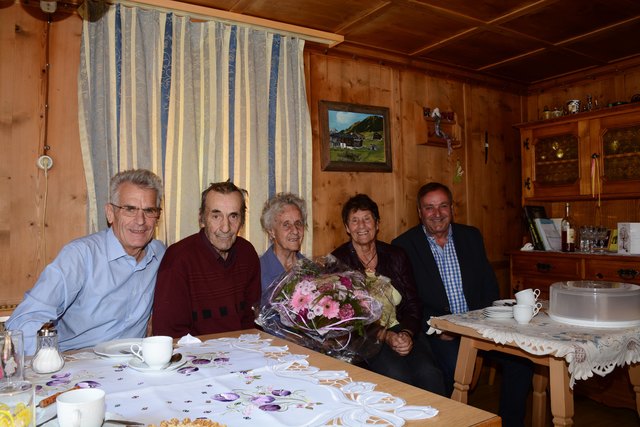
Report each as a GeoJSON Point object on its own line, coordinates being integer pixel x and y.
{"type": "Point", "coordinates": [447, 95]}
{"type": "Point", "coordinates": [493, 196]}
{"type": "Point", "coordinates": [632, 83]}
{"type": "Point", "coordinates": [414, 155]}
{"type": "Point", "coordinates": [23, 146]}
{"type": "Point", "coordinates": [66, 219]}
{"type": "Point", "coordinates": [358, 82]}
{"type": "Point", "coordinates": [22, 216]}
{"type": "Point", "coordinates": [7, 84]}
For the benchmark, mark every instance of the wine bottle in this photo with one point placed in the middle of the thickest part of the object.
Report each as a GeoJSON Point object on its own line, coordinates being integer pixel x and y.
{"type": "Point", "coordinates": [568, 231]}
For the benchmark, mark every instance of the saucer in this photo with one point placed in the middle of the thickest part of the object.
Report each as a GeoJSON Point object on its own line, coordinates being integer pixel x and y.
{"type": "Point", "coordinates": [504, 302]}
{"type": "Point", "coordinates": [116, 348]}
{"type": "Point", "coordinates": [139, 365]}
{"type": "Point", "coordinates": [498, 312]}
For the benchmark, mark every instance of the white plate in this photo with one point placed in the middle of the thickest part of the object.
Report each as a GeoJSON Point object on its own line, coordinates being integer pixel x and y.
{"type": "Point", "coordinates": [498, 310]}
{"type": "Point", "coordinates": [114, 348]}
{"type": "Point", "coordinates": [499, 316]}
{"type": "Point", "coordinates": [504, 302]}
{"type": "Point", "coordinates": [139, 365]}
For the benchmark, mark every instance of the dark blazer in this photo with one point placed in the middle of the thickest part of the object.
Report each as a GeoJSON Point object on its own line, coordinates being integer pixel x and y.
{"type": "Point", "coordinates": [479, 282]}
{"type": "Point", "coordinates": [394, 264]}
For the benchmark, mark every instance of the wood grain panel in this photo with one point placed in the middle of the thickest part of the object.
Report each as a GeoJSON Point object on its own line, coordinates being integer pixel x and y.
{"type": "Point", "coordinates": [25, 126]}
{"type": "Point", "coordinates": [486, 195]}
{"type": "Point", "coordinates": [37, 215]}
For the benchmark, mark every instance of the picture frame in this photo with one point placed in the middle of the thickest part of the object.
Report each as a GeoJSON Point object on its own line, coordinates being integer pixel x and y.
{"type": "Point", "coordinates": [354, 137]}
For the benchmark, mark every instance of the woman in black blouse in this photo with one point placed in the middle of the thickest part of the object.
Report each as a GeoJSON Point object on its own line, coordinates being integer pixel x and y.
{"type": "Point", "coordinates": [406, 355]}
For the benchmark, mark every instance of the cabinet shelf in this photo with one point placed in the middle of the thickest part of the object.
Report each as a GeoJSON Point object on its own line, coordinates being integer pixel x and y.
{"type": "Point", "coordinates": [556, 162]}
{"type": "Point", "coordinates": [600, 112]}
{"type": "Point", "coordinates": [622, 155]}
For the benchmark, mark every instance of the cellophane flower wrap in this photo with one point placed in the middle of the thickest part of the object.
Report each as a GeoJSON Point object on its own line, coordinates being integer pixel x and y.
{"type": "Point", "coordinates": [324, 306]}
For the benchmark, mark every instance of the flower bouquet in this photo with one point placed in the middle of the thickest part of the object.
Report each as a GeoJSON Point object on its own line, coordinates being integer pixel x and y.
{"type": "Point", "coordinates": [326, 307]}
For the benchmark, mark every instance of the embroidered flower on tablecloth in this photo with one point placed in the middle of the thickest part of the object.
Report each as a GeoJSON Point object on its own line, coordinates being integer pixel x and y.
{"type": "Point", "coordinates": [264, 399]}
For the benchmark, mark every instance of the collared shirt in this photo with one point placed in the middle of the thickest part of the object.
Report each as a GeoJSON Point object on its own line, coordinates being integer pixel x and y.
{"type": "Point", "coordinates": [447, 262]}
{"type": "Point", "coordinates": [95, 292]}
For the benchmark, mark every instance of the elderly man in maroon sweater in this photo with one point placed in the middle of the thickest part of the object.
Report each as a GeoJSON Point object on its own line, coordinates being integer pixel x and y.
{"type": "Point", "coordinates": [208, 282]}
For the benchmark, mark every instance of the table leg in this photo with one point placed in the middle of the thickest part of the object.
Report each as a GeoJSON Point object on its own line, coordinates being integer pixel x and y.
{"type": "Point", "coordinates": [561, 393]}
{"type": "Point", "coordinates": [464, 369]}
{"type": "Point", "coordinates": [539, 406]}
{"type": "Point", "coordinates": [634, 376]}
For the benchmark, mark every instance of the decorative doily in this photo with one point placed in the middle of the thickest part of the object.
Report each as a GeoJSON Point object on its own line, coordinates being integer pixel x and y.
{"type": "Point", "coordinates": [588, 351]}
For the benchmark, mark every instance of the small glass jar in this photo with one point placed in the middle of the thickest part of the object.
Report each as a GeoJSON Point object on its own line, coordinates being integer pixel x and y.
{"type": "Point", "coordinates": [47, 358]}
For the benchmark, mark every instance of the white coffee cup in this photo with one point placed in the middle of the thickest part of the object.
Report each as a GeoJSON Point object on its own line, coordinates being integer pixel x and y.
{"type": "Point", "coordinates": [523, 313]}
{"type": "Point", "coordinates": [154, 351]}
{"type": "Point", "coordinates": [81, 408]}
{"type": "Point", "coordinates": [527, 296]}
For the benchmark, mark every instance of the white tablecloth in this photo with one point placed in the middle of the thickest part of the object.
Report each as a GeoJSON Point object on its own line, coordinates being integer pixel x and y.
{"type": "Point", "coordinates": [241, 381]}
{"type": "Point", "coordinates": [587, 350]}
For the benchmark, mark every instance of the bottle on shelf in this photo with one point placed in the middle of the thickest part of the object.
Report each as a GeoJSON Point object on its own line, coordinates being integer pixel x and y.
{"type": "Point", "coordinates": [568, 231]}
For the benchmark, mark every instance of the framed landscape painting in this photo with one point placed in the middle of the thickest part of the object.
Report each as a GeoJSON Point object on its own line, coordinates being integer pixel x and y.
{"type": "Point", "coordinates": [354, 138]}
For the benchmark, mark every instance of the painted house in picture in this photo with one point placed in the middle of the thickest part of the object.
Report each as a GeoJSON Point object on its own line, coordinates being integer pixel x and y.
{"type": "Point", "coordinates": [344, 140]}
{"type": "Point", "coordinates": [370, 127]}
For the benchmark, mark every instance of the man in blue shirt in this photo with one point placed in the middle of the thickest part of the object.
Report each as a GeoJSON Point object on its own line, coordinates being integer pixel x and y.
{"type": "Point", "coordinates": [100, 287]}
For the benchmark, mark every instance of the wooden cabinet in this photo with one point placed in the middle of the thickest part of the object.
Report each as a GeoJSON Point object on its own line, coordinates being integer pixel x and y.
{"type": "Point", "coordinates": [579, 156]}
{"type": "Point", "coordinates": [539, 270]}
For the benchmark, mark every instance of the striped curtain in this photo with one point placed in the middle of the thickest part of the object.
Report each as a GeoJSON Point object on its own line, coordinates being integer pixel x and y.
{"type": "Point", "coordinates": [196, 102]}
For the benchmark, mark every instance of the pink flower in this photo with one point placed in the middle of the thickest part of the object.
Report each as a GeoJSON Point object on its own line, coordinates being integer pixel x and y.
{"type": "Point", "coordinates": [346, 312]}
{"type": "Point", "coordinates": [330, 308]}
{"type": "Point", "coordinates": [325, 287]}
{"type": "Point", "coordinates": [306, 287]}
{"type": "Point", "coordinates": [300, 300]}
{"type": "Point", "coordinates": [346, 282]}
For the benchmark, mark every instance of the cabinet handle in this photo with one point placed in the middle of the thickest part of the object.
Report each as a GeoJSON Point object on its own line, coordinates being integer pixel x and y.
{"type": "Point", "coordinates": [527, 183]}
{"type": "Point", "coordinates": [627, 274]}
{"type": "Point", "coordinates": [526, 144]}
{"type": "Point", "coordinates": [545, 268]}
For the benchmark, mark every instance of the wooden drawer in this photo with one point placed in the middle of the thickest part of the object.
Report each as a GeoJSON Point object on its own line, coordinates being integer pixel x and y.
{"type": "Point", "coordinates": [612, 270]}
{"type": "Point", "coordinates": [546, 265]}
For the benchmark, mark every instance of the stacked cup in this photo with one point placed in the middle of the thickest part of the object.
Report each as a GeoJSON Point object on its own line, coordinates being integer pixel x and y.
{"type": "Point", "coordinates": [527, 305]}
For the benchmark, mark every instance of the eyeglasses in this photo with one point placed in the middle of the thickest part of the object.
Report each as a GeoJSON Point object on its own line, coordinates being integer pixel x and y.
{"type": "Point", "coordinates": [132, 211]}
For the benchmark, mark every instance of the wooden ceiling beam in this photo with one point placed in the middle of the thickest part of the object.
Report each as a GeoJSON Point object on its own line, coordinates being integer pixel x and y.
{"type": "Point", "coordinates": [202, 12]}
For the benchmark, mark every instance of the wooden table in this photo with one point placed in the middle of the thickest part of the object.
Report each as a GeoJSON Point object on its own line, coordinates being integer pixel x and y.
{"type": "Point", "coordinates": [451, 413]}
{"type": "Point", "coordinates": [557, 376]}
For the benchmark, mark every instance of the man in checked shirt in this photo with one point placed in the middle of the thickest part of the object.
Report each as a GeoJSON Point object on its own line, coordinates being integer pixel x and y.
{"type": "Point", "coordinates": [453, 275]}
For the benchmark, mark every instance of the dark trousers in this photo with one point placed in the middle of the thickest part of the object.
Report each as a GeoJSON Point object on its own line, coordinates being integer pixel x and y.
{"type": "Point", "coordinates": [517, 375]}
{"type": "Point", "coordinates": [417, 368]}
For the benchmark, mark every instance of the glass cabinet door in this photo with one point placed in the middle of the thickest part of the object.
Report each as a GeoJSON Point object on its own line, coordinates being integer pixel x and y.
{"type": "Point", "coordinates": [621, 154]}
{"type": "Point", "coordinates": [556, 160]}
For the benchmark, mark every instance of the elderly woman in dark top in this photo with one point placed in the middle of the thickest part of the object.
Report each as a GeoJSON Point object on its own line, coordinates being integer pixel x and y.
{"type": "Point", "coordinates": [284, 219]}
{"type": "Point", "coordinates": [406, 355]}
